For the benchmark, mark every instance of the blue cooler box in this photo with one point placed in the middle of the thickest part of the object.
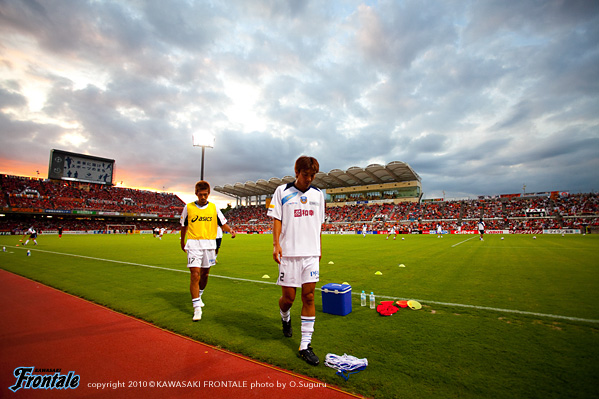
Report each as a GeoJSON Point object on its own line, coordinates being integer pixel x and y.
{"type": "Point", "coordinates": [336, 299]}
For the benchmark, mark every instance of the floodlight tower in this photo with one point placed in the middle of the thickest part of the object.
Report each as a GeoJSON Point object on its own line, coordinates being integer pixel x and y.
{"type": "Point", "coordinates": [203, 139]}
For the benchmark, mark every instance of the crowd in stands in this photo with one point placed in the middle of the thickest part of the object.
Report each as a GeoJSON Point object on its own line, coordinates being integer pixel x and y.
{"type": "Point", "coordinates": [28, 196]}
{"type": "Point", "coordinates": [26, 193]}
{"type": "Point", "coordinates": [535, 213]}
{"type": "Point", "coordinates": [87, 224]}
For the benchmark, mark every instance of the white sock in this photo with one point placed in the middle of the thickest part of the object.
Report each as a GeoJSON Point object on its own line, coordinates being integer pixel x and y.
{"type": "Point", "coordinates": [307, 330]}
{"type": "Point", "coordinates": [285, 316]}
{"type": "Point", "coordinates": [195, 302]}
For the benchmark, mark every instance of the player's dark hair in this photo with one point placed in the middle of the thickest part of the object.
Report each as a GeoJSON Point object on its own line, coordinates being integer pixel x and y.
{"type": "Point", "coordinates": [306, 163]}
{"type": "Point", "coordinates": [202, 185]}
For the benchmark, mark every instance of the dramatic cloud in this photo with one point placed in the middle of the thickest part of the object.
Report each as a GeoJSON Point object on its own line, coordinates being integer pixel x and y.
{"type": "Point", "coordinates": [479, 97]}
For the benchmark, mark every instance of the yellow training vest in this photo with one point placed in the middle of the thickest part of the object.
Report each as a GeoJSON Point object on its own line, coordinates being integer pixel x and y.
{"type": "Point", "coordinates": [201, 223]}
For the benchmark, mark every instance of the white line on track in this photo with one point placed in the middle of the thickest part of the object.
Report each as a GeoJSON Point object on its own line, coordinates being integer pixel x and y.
{"type": "Point", "coordinates": [551, 316]}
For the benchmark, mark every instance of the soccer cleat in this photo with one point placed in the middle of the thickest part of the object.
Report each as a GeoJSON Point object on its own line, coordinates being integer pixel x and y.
{"type": "Point", "coordinates": [309, 356]}
{"type": "Point", "coordinates": [287, 330]}
{"type": "Point", "coordinates": [197, 314]}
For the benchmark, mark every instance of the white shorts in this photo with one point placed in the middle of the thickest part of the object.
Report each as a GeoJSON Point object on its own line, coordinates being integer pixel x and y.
{"type": "Point", "coordinates": [297, 270]}
{"type": "Point", "coordinates": [204, 258]}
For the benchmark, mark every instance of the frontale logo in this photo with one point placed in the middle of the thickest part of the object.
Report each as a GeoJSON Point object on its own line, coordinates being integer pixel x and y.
{"type": "Point", "coordinates": [27, 379]}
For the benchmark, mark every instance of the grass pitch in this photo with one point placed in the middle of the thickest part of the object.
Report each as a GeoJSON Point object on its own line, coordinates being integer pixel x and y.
{"type": "Point", "coordinates": [505, 318]}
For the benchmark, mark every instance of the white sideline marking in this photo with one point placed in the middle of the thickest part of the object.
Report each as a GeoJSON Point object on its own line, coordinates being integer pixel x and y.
{"type": "Point", "coordinates": [522, 312]}
{"type": "Point", "coordinates": [455, 245]}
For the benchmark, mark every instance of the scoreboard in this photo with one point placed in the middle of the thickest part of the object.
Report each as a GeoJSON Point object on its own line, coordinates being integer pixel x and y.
{"type": "Point", "coordinates": [79, 167]}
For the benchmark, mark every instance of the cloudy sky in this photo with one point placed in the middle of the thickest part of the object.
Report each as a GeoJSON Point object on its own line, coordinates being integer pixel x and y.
{"type": "Point", "coordinates": [478, 97]}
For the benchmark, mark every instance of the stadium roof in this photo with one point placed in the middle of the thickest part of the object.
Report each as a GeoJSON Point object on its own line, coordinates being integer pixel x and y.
{"type": "Point", "coordinates": [393, 172]}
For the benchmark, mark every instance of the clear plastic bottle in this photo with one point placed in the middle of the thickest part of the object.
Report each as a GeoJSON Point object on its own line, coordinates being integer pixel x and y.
{"type": "Point", "coordinates": [363, 298]}
{"type": "Point", "coordinates": [372, 301]}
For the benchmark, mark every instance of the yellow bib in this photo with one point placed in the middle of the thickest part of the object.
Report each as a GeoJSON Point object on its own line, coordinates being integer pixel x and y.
{"type": "Point", "coordinates": [201, 223]}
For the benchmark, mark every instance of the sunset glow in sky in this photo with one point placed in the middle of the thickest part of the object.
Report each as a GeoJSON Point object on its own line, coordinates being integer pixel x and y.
{"type": "Point", "coordinates": [478, 97]}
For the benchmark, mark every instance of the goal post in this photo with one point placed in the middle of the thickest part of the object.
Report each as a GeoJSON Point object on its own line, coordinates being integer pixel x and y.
{"type": "Point", "coordinates": [120, 228]}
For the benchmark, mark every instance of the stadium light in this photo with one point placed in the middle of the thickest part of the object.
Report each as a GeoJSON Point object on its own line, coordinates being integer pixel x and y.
{"type": "Point", "coordinates": [203, 139]}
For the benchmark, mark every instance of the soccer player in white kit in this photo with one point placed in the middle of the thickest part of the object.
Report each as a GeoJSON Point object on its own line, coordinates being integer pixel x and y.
{"type": "Point", "coordinates": [298, 212]}
{"type": "Point", "coordinates": [392, 231]}
{"type": "Point", "coordinates": [32, 235]}
{"type": "Point", "coordinates": [481, 229]}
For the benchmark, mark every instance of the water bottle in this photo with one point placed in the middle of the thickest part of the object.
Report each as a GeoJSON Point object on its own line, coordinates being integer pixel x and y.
{"type": "Point", "coordinates": [372, 301]}
{"type": "Point", "coordinates": [363, 298]}
{"type": "Point", "coordinates": [28, 253]}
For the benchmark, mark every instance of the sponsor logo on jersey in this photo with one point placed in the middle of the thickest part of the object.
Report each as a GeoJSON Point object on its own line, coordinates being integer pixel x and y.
{"type": "Point", "coordinates": [287, 198]}
{"type": "Point", "coordinates": [202, 219]}
{"type": "Point", "coordinates": [298, 213]}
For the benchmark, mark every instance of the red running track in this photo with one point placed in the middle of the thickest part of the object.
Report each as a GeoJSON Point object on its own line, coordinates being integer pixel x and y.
{"type": "Point", "coordinates": [45, 328]}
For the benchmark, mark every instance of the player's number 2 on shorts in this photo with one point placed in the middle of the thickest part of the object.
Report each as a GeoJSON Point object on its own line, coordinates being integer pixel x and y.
{"type": "Point", "coordinates": [282, 278]}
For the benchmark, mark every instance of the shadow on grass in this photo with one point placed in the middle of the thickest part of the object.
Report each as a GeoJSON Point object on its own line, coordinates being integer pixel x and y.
{"type": "Point", "coordinates": [178, 300]}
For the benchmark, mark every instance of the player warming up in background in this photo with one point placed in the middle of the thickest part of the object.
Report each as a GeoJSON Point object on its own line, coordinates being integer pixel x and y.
{"type": "Point", "coordinates": [481, 229]}
{"type": "Point", "coordinates": [199, 221]}
{"type": "Point", "coordinates": [32, 235]}
{"type": "Point", "coordinates": [298, 211]}
{"type": "Point", "coordinates": [392, 231]}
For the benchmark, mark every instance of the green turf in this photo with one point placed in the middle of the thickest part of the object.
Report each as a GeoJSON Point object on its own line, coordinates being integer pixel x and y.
{"type": "Point", "coordinates": [444, 350]}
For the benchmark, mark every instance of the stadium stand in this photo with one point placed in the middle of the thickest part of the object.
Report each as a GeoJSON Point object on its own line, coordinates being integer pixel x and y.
{"type": "Point", "coordinates": [515, 214]}
{"type": "Point", "coordinates": [83, 206]}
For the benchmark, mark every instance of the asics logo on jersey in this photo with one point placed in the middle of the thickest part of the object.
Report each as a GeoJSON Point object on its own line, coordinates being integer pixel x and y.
{"type": "Point", "coordinates": [298, 213]}
{"type": "Point", "coordinates": [202, 219]}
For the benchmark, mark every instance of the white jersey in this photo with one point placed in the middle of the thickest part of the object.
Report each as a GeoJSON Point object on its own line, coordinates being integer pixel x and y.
{"type": "Point", "coordinates": [301, 215]}
{"type": "Point", "coordinates": [481, 226]}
